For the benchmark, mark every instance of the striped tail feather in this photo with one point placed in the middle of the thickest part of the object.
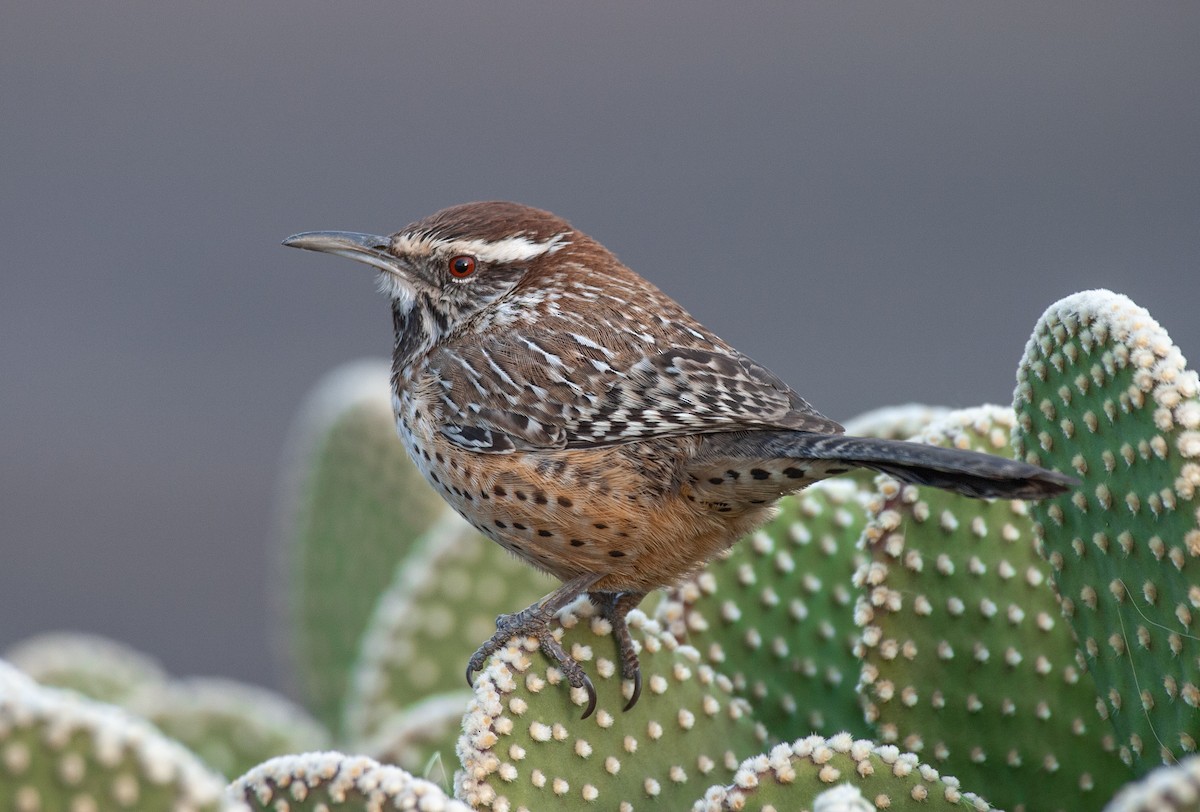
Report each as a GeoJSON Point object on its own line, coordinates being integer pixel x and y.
{"type": "Point", "coordinates": [969, 473]}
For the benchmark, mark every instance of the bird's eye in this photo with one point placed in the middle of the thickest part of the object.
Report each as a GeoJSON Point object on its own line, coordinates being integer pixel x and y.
{"type": "Point", "coordinates": [462, 266]}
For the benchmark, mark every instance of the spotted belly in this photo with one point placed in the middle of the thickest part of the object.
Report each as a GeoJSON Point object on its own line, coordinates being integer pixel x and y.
{"type": "Point", "coordinates": [623, 512]}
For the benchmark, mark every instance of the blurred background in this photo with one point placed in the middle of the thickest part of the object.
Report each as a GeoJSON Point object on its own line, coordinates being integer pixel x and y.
{"type": "Point", "coordinates": [876, 201]}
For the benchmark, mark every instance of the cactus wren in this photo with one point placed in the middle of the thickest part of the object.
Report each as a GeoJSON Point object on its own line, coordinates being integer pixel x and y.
{"type": "Point", "coordinates": [581, 418]}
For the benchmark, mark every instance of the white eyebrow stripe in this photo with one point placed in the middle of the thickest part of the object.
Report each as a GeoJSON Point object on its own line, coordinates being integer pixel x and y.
{"type": "Point", "coordinates": [509, 249]}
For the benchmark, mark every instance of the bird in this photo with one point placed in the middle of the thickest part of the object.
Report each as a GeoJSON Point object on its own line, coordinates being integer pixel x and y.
{"type": "Point", "coordinates": [581, 418]}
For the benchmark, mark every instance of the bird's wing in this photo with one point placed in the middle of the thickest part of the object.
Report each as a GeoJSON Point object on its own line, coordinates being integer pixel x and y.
{"type": "Point", "coordinates": [530, 390]}
{"type": "Point", "coordinates": [688, 390]}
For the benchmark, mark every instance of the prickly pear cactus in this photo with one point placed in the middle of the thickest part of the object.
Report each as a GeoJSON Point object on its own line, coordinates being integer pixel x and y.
{"type": "Point", "coordinates": [895, 422]}
{"type": "Point", "coordinates": [776, 614]}
{"type": "Point", "coordinates": [62, 751]}
{"type": "Point", "coordinates": [1172, 788]}
{"type": "Point", "coordinates": [354, 505]}
{"type": "Point", "coordinates": [326, 782]}
{"type": "Point", "coordinates": [441, 606]}
{"type": "Point", "coordinates": [92, 665]}
{"type": "Point", "coordinates": [525, 746]}
{"type": "Point", "coordinates": [422, 738]}
{"type": "Point", "coordinates": [966, 659]}
{"type": "Point", "coordinates": [231, 726]}
{"type": "Point", "coordinates": [1104, 394]}
{"type": "Point", "coordinates": [837, 774]}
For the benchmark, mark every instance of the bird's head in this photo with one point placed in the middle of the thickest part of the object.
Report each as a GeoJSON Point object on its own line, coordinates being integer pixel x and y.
{"type": "Point", "coordinates": [454, 263]}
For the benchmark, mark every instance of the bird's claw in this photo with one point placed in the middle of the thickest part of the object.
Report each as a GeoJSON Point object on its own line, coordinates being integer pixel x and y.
{"type": "Point", "coordinates": [637, 689]}
{"type": "Point", "coordinates": [497, 642]}
{"type": "Point", "coordinates": [614, 607]}
{"type": "Point", "coordinates": [586, 684]}
{"type": "Point", "coordinates": [534, 622]}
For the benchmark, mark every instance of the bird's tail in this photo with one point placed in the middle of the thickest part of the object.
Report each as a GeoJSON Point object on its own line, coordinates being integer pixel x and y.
{"type": "Point", "coordinates": [967, 472]}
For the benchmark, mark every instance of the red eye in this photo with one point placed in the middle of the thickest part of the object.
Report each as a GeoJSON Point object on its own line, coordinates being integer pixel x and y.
{"type": "Point", "coordinates": [462, 266]}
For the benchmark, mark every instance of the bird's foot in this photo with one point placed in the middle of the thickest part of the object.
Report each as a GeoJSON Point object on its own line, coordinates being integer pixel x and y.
{"type": "Point", "coordinates": [613, 607]}
{"type": "Point", "coordinates": [534, 621]}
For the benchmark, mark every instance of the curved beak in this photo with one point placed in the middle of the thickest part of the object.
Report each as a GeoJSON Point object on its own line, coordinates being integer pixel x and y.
{"type": "Point", "coordinates": [367, 248]}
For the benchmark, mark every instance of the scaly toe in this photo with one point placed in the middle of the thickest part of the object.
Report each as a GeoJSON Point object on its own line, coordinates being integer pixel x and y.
{"type": "Point", "coordinates": [572, 671]}
{"type": "Point", "coordinates": [614, 607]}
{"type": "Point", "coordinates": [475, 664]}
{"type": "Point", "coordinates": [534, 621]}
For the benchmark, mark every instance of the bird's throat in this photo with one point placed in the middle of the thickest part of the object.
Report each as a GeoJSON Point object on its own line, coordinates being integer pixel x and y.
{"type": "Point", "coordinates": [413, 323]}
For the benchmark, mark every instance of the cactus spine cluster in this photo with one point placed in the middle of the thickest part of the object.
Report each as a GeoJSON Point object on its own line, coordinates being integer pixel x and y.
{"type": "Point", "coordinates": [965, 657]}
{"type": "Point", "coordinates": [1103, 393]}
{"type": "Point", "coordinates": [62, 751]}
{"type": "Point", "coordinates": [525, 747]}
{"type": "Point", "coordinates": [837, 774]}
{"type": "Point", "coordinates": [774, 614]}
{"type": "Point", "coordinates": [330, 781]}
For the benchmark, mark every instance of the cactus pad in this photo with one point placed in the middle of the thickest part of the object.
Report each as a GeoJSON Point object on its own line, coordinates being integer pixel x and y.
{"type": "Point", "coordinates": [328, 782]}
{"type": "Point", "coordinates": [966, 659]}
{"type": "Point", "coordinates": [353, 505]}
{"type": "Point", "coordinates": [776, 614]}
{"type": "Point", "coordinates": [231, 726]}
{"type": "Point", "coordinates": [422, 738]}
{"type": "Point", "coordinates": [837, 774]}
{"type": "Point", "coordinates": [441, 606]}
{"type": "Point", "coordinates": [1103, 393]}
{"type": "Point", "coordinates": [1171, 788]}
{"type": "Point", "coordinates": [524, 745]}
{"type": "Point", "coordinates": [62, 751]}
{"type": "Point", "coordinates": [92, 665]}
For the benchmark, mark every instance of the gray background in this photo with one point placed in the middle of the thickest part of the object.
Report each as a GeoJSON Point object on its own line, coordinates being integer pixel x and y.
{"type": "Point", "coordinates": [875, 200]}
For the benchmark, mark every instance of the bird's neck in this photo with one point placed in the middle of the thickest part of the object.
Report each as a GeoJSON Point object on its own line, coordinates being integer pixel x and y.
{"type": "Point", "coordinates": [418, 326]}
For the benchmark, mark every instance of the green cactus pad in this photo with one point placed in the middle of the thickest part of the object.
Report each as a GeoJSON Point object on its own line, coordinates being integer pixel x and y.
{"type": "Point", "coordinates": [441, 606]}
{"type": "Point", "coordinates": [1102, 393]}
{"type": "Point", "coordinates": [327, 782]}
{"type": "Point", "coordinates": [422, 738]}
{"type": "Point", "coordinates": [524, 745]}
{"type": "Point", "coordinates": [1171, 788]}
{"type": "Point", "coordinates": [231, 726]}
{"type": "Point", "coordinates": [62, 751]}
{"type": "Point", "coordinates": [353, 507]}
{"type": "Point", "coordinates": [92, 665]}
{"type": "Point", "coordinates": [837, 774]}
{"type": "Point", "coordinates": [776, 614]}
{"type": "Point", "coordinates": [966, 659]}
